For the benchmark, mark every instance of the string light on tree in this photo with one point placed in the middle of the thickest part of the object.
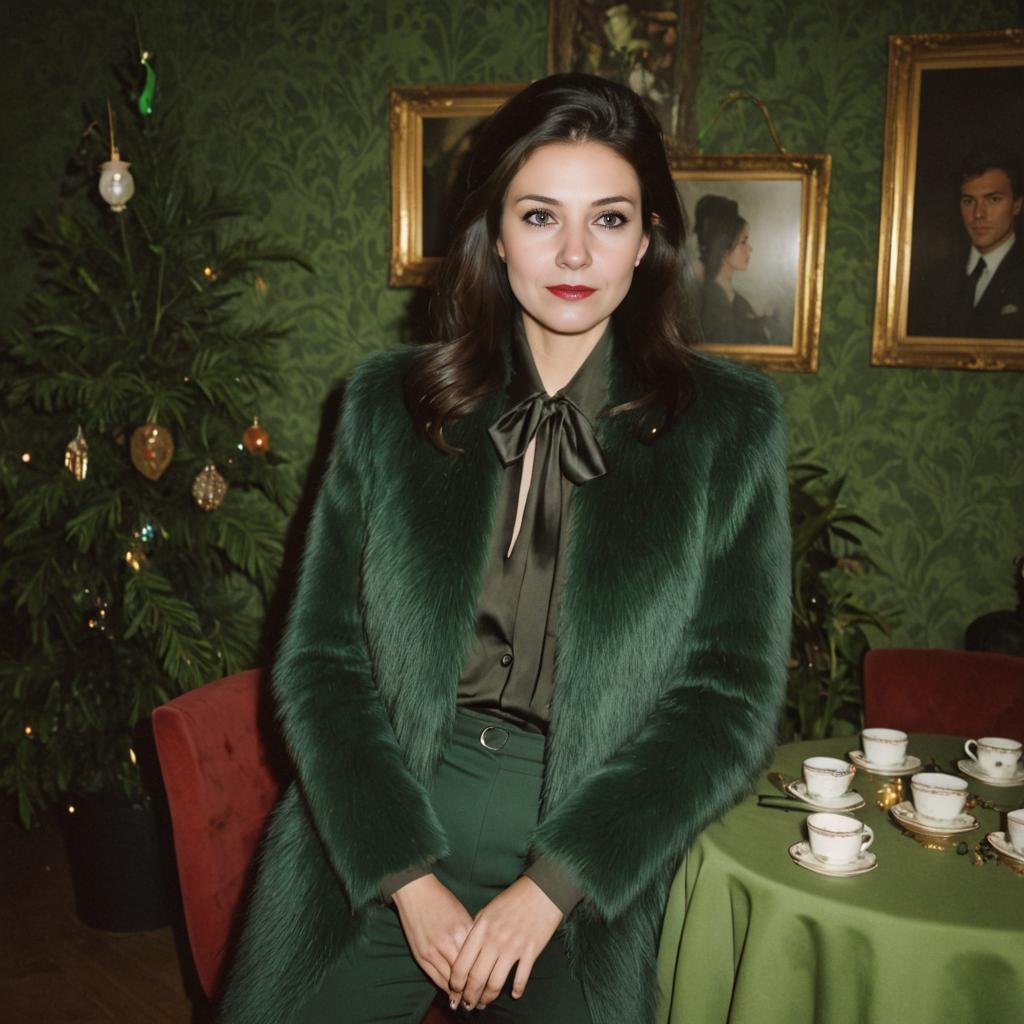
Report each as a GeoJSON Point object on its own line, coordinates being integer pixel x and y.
{"type": "Point", "coordinates": [134, 557]}
{"type": "Point", "coordinates": [26, 457]}
{"type": "Point", "coordinates": [255, 438]}
{"type": "Point", "coordinates": [76, 456]}
{"type": "Point", "coordinates": [209, 488]}
{"type": "Point", "coordinates": [96, 617]}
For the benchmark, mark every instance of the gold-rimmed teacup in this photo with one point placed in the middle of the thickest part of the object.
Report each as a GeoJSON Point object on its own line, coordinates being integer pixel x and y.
{"type": "Point", "coordinates": [827, 778]}
{"type": "Point", "coordinates": [995, 755]}
{"type": "Point", "coordinates": [938, 798]}
{"type": "Point", "coordinates": [837, 839]}
{"type": "Point", "coordinates": [884, 748]}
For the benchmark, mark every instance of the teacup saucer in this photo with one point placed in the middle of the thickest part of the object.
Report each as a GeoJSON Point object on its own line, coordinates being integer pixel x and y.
{"type": "Point", "coordinates": [801, 854]}
{"type": "Point", "coordinates": [1002, 845]}
{"type": "Point", "coordinates": [847, 802]}
{"type": "Point", "coordinates": [910, 764]}
{"type": "Point", "coordinates": [972, 768]}
{"type": "Point", "coordinates": [907, 816]}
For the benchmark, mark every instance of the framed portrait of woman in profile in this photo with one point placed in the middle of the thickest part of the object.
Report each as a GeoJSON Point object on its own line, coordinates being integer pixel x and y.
{"type": "Point", "coordinates": [756, 248]}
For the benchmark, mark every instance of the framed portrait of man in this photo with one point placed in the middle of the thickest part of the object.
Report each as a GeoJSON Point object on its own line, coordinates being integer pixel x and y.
{"type": "Point", "coordinates": [432, 129]}
{"type": "Point", "coordinates": [755, 245]}
{"type": "Point", "coordinates": [950, 290]}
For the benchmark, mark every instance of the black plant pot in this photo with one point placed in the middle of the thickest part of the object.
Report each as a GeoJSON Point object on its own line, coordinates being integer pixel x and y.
{"type": "Point", "coordinates": [118, 864]}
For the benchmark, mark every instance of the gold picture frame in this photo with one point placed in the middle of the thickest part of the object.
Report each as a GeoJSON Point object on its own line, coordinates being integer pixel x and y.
{"type": "Point", "coordinates": [431, 128]}
{"type": "Point", "coordinates": [773, 316]}
{"type": "Point", "coordinates": [653, 46]}
{"type": "Point", "coordinates": [946, 93]}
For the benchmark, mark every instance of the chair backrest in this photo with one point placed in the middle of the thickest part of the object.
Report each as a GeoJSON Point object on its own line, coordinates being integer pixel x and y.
{"type": "Point", "coordinates": [221, 786]}
{"type": "Point", "coordinates": [960, 693]}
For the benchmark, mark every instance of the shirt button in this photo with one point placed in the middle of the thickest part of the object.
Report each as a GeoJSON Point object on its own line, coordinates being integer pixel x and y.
{"type": "Point", "coordinates": [506, 660]}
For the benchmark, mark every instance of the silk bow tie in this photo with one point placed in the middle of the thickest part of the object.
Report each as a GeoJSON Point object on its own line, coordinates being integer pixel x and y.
{"type": "Point", "coordinates": [579, 455]}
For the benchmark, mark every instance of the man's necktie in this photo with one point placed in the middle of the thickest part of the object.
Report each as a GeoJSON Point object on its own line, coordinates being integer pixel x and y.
{"type": "Point", "coordinates": [972, 281]}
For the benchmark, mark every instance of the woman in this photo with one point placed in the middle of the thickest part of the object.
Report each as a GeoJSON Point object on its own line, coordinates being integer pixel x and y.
{"type": "Point", "coordinates": [723, 240]}
{"type": "Point", "coordinates": [539, 638]}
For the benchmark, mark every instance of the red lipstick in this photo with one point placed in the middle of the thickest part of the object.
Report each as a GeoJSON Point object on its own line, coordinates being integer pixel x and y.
{"type": "Point", "coordinates": [571, 292]}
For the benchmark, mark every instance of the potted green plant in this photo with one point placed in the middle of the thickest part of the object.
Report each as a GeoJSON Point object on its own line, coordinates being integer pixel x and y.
{"type": "Point", "coordinates": [830, 639]}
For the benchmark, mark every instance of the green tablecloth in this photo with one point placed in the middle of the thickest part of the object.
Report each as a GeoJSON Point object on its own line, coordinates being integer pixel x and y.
{"type": "Point", "coordinates": [751, 938]}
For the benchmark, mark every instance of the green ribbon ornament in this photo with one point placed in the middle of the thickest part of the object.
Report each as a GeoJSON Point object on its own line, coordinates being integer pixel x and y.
{"type": "Point", "coordinates": [149, 89]}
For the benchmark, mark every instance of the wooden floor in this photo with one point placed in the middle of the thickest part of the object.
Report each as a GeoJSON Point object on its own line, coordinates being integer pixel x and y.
{"type": "Point", "coordinates": [53, 969]}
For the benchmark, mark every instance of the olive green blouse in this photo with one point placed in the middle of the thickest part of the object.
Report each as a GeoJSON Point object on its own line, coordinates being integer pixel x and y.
{"type": "Point", "coordinates": [510, 671]}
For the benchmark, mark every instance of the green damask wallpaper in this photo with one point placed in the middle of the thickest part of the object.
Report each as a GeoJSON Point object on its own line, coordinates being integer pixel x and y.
{"type": "Point", "coordinates": [287, 100]}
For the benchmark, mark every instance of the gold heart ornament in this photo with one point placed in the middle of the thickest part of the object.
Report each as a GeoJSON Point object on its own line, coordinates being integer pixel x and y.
{"type": "Point", "coordinates": [152, 449]}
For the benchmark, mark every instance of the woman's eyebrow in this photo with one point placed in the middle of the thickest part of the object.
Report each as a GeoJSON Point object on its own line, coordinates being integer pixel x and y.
{"type": "Point", "coordinates": [555, 202]}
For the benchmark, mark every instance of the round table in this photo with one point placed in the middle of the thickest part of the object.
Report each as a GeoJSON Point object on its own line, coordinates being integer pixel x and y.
{"type": "Point", "coordinates": [749, 937]}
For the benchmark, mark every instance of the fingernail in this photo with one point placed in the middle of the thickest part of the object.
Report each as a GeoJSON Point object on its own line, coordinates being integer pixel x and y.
{"type": "Point", "coordinates": [453, 1002]}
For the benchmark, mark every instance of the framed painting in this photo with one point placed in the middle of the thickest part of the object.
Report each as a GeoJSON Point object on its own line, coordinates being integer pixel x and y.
{"type": "Point", "coordinates": [651, 46]}
{"type": "Point", "coordinates": [756, 248]}
{"type": "Point", "coordinates": [431, 130]}
{"type": "Point", "coordinates": [950, 287]}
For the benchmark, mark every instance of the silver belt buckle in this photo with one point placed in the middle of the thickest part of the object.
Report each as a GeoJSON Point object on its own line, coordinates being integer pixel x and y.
{"type": "Point", "coordinates": [493, 728]}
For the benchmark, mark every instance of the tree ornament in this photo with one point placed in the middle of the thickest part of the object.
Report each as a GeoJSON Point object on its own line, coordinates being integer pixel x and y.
{"type": "Point", "coordinates": [117, 185]}
{"type": "Point", "coordinates": [76, 456]}
{"type": "Point", "coordinates": [255, 438]}
{"type": "Point", "coordinates": [149, 89]}
{"type": "Point", "coordinates": [152, 448]}
{"type": "Point", "coordinates": [209, 488]}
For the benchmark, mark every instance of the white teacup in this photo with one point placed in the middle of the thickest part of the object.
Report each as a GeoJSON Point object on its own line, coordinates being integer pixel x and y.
{"type": "Point", "coordinates": [837, 839]}
{"type": "Point", "coordinates": [995, 755]}
{"type": "Point", "coordinates": [938, 797]}
{"type": "Point", "coordinates": [827, 778]}
{"type": "Point", "coordinates": [885, 748]}
{"type": "Point", "coordinates": [1015, 829]}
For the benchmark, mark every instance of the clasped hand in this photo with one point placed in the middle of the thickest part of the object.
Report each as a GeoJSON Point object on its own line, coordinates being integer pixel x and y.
{"type": "Point", "coordinates": [470, 958]}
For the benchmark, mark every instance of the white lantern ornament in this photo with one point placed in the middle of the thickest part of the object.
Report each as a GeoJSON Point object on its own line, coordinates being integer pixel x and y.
{"type": "Point", "coordinates": [116, 183]}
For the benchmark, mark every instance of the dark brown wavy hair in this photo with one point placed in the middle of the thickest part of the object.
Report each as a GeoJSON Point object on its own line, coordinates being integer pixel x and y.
{"type": "Point", "coordinates": [472, 305]}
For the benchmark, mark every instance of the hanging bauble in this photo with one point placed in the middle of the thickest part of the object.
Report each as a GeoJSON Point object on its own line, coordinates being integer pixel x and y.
{"type": "Point", "coordinates": [149, 89]}
{"type": "Point", "coordinates": [152, 449]}
{"type": "Point", "coordinates": [209, 488]}
{"type": "Point", "coordinates": [255, 438]}
{"type": "Point", "coordinates": [117, 185]}
{"type": "Point", "coordinates": [76, 456]}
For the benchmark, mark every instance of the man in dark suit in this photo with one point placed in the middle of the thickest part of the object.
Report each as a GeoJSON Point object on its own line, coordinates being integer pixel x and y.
{"type": "Point", "coordinates": [980, 293]}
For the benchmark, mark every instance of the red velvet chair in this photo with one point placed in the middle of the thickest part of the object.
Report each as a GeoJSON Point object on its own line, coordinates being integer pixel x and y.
{"type": "Point", "coordinates": [220, 788]}
{"type": "Point", "coordinates": [221, 783]}
{"type": "Point", "coordinates": [959, 693]}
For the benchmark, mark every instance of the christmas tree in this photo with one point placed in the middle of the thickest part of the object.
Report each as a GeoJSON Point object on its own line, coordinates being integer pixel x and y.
{"type": "Point", "coordinates": [143, 504]}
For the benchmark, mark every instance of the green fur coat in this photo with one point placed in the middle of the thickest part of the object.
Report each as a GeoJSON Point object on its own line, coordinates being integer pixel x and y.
{"type": "Point", "coordinates": [672, 646]}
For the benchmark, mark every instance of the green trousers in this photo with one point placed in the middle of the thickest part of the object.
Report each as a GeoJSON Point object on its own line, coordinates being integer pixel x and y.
{"type": "Point", "coordinates": [487, 800]}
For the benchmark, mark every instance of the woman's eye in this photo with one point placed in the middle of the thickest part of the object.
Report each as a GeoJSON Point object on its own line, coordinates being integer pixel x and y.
{"type": "Point", "coordinates": [539, 218]}
{"type": "Point", "coordinates": [611, 220]}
